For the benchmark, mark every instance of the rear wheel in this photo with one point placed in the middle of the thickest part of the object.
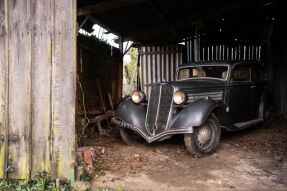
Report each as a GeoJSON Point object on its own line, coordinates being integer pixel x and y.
{"type": "Point", "coordinates": [205, 139]}
{"type": "Point", "coordinates": [129, 137]}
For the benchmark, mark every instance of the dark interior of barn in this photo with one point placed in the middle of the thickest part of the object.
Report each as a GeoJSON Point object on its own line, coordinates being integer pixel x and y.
{"type": "Point", "coordinates": [221, 30]}
{"type": "Point", "coordinates": [168, 34]}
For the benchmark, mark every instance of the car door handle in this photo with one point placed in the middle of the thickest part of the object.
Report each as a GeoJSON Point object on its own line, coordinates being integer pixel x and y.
{"type": "Point", "coordinates": [252, 87]}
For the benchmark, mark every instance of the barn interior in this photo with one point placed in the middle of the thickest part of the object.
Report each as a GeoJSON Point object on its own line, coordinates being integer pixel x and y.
{"type": "Point", "coordinates": [55, 77]}
{"type": "Point", "coordinates": [168, 34]}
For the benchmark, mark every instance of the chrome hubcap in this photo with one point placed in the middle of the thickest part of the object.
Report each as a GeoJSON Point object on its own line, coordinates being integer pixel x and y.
{"type": "Point", "coordinates": [204, 135]}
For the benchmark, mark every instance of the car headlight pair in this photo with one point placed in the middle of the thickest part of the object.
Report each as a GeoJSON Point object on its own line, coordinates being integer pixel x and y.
{"type": "Point", "coordinates": [179, 97]}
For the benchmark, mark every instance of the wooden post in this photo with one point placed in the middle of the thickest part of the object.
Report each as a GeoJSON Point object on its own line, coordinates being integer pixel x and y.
{"type": "Point", "coordinates": [19, 39]}
{"type": "Point", "coordinates": [64, 88]}
{"type": "Point", "coordinates": [197, 45]}
{"type": "Point", "coordinates": [121, 45]}
{"type": "Point", "coordinates": [42, 42]}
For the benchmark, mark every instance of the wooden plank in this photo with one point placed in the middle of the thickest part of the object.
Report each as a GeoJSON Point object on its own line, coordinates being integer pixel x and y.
{"type": "Point", "coordinates": [64, 89]}
{"type": "Point", "coordinates": [42, 39]}
{"type": "Point", "coordinates": [3, 86]}
{"type": "Point", "coordinates": [108, 6]}
{"type": "Point", "coordinates": [20, 87]}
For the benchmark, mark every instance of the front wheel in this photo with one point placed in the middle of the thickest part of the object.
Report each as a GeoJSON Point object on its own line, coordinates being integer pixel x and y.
{"type": "Point", "coordinates": [205, 139]}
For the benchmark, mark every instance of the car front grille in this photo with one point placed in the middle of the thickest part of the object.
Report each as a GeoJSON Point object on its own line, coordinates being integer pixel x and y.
{"type": "Point", "coordinates": [216, 95]}
{"type": "Point", "coordinates": [159, 108]}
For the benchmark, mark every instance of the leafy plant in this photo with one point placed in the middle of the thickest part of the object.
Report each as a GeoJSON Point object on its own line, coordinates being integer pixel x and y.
{"type": "Point", "coordinates": [40, 182]}
{"type": "Point", "coordinates": [130, 71]}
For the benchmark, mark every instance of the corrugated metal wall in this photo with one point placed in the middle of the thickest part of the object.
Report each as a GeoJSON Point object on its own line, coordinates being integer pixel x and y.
{"type": "Point", "coordinates": [278, 65]}
{"type": "Point", "coordinates": [274, 58]}
{"type": "Point", "coordinates": [222, 52]}
{"type": "Point", "coordinates": [37, 87]}
{"type": "Point", "coordinates": [158, 63]}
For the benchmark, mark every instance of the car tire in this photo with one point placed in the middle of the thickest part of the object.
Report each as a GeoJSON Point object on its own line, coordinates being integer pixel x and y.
{"type": "Point", "coordinates": [205, 139]}
{"type": "Point", "coordinates": [129, 137]}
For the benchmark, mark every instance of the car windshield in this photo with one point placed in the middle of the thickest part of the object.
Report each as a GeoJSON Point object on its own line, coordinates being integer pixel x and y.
{"type": "Point", "coordinates": [200, 71]}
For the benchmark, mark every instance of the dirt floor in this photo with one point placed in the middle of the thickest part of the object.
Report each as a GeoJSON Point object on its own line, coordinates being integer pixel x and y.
{"type": "Point", "coordinates": [251, 159]}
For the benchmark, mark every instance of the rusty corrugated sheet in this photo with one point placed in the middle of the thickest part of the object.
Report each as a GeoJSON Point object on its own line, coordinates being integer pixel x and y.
{"type": "Point", "coordinates": [158, 63]}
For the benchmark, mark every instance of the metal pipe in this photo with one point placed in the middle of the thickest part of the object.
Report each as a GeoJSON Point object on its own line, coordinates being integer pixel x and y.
{"type": "Point", "coordinates": [203, 54]}
{"type": "Point", "coordinates": [249, 52]}
{"type": "Point", "coordinates": [212, 54]}
{"type": "Point", "coordinates": [208, 54]}
{"type": "Point", "coordinates": [259, 56]}
{"type": "Point", "coordinates": [220, 52]}
{"type": "Point", "coordinates": [227, 53]}
{"type": "Point", "coordinates": [244, 52]}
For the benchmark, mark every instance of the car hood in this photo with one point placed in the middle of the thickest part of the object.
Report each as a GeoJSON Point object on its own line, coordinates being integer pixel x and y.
{"type": "Point", "coordinates": [198, 83]}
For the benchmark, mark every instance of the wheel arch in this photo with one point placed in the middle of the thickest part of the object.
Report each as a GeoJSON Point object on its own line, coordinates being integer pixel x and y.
{"type": "Point", "coordinates": [195, 114]}
{"type": "Point", "coordinates": [219, 113]}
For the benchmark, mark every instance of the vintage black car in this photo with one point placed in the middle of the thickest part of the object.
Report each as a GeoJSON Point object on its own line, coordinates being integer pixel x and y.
{"type": "Point", "coordinates": [205, 98]}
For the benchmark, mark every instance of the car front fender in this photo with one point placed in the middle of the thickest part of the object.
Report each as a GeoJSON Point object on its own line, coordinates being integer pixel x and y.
{"type": "Point", "coordinates": [195, 114]}
{"type": "Point", "coordinates": [132, 113]}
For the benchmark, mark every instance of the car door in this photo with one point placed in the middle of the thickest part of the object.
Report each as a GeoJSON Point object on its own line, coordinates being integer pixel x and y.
{"type": "Point", "coordinates": [258, 87]}
{"type": "Point", "coordinates": [240, 97]}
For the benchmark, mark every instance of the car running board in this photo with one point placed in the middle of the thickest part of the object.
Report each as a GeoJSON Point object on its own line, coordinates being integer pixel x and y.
{"type": "Point", "coordinates": [248, 123]}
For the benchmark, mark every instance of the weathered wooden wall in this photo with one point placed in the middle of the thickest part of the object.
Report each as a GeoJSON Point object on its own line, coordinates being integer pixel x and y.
{"type": "Point", "coordinates": [97, 62]}
{"type": "Point", "coordinates": [37, 87]}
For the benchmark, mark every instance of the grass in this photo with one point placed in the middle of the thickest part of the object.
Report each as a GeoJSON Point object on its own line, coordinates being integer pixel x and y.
{"type": "Point", "coordinates": [41, 182]}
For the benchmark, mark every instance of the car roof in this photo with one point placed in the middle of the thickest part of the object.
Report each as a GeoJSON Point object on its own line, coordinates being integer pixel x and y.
{"type": "Point", "coordinates": [220, 63]}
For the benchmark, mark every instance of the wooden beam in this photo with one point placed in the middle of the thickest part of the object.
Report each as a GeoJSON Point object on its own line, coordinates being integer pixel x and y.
{"type": "Point", "coordinates": [192, 20]}
{"type": "Point", "coordinates": [107, 6]}
{"type": "Point", "coordinates": [84, 21]}
{"type": "Point", "coordinates": [121, 45]}
{"type": "Point", "coordinates": [162, 17]}
{"type": "Point", "coordinates": [98, 22]}
{"type": "Point", "coordinates": [127, 49]}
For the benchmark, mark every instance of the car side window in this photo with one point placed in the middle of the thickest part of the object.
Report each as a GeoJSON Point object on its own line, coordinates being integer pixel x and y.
{"type": "Point", "coordinates": [259, 74]}
{"type": "Point", "coordinates": [241, 73]}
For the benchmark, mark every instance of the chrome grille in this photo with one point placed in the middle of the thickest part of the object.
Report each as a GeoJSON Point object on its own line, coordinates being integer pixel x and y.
{"type": "Point", "coordinates": [216, 95]}
{"type": "Point", "coordinates": [159, 108]}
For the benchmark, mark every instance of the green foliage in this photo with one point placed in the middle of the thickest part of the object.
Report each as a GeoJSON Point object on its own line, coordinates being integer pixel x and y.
{"type": "Point", "coordinates": [130, 70]}
{"type": "Point", "coordinates": [41, 182]}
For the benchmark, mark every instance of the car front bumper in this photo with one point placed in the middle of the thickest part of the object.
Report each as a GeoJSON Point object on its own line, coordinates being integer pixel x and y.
{"type": "Point", "coordinates": [150, 138]}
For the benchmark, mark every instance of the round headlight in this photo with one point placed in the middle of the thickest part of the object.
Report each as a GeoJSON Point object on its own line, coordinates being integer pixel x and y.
{"type": "Point", "coordinates": [138, 96]}
{"type": "Point", "coordinates": [179, 97]}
